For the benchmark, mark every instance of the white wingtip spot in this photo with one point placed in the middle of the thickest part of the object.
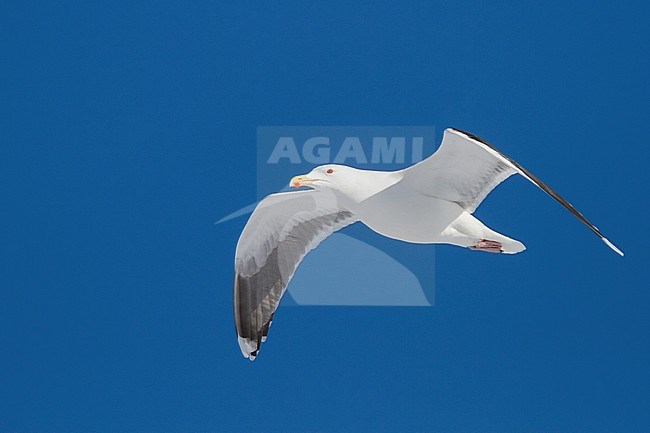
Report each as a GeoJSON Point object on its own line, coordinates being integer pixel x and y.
{"type": "Point", "coordinates": [247, 347]}
{"type": "Point", "coordinates": [612, 246]}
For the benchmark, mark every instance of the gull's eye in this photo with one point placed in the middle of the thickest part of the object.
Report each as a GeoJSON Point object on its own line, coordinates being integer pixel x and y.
{"type": "Point", "coordinates": [329, 171]}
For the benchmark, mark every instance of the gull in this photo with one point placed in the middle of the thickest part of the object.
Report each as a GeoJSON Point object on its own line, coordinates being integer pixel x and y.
{"type": "Point", "coordinates": [430, 202]}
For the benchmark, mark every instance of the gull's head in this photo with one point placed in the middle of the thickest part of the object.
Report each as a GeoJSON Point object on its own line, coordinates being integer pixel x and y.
{"type": "Point", "coordinates": [352, 183]}
{"type": "Point", "coordinates": [330, 176]}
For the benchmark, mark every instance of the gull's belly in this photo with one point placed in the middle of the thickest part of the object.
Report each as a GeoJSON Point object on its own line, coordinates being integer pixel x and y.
{"type": "Point", "coordinates": [409, 216]}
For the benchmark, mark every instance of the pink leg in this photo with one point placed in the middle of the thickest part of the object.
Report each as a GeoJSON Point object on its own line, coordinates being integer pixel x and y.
{"type": "Point", "coordinates": [487, 246]}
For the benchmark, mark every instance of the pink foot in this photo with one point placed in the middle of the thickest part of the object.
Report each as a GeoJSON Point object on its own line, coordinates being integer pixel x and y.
{"type": "Point", "coordinates": [487, 246]}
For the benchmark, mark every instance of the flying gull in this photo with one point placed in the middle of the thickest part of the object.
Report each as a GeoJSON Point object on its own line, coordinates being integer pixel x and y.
{"type": "Point", "coordinates": [430, 202]}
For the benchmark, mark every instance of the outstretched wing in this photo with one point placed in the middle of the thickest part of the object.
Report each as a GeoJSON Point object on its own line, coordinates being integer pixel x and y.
{"type": "Point", "coordinates": [466, 168]}
{"type": "Point", "coordinates": [463, 170]}
{"type": "Point", "coordinates": [281, 231]}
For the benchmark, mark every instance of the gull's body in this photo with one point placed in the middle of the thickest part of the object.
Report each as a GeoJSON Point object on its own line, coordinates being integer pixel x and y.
{"type": "Point", "coordinates": [428, 203]}
{"type": "Point", "coordinates": [402, 213]}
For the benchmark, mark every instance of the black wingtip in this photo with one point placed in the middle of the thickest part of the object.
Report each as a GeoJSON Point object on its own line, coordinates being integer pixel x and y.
{"type": "Point", "coordinates": [544, 188]}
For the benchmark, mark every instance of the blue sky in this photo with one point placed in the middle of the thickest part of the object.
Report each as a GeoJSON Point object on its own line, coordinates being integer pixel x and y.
{"type": "Point", "coordinates": [128, 128]}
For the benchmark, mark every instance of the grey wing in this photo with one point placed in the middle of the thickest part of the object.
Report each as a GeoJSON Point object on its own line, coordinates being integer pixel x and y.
{"type": "Point", "coordinates": [281, 231]}
{"type": "Point", "coordinates": [466, 168]}
{"type": "Point", "coordinates": [460, 171]}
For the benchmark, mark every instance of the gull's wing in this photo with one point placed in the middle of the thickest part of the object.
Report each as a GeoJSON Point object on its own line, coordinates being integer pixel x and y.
{"type": "Point", "coordinates": [282, 229]}
{"type": "Point", "coordinates": [463, 170]}
{"type": "Point", "coordinates": [466, 168]}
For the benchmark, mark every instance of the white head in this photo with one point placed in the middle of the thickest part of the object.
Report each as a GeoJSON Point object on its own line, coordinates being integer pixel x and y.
{"type": "Point", "coordinates": [353, 183]}
{"type": "Point", "coordinates": [330, 176]}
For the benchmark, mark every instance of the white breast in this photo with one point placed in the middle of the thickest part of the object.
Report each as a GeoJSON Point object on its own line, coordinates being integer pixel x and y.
{"type": "Point", "coordinates": [404, 214]}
